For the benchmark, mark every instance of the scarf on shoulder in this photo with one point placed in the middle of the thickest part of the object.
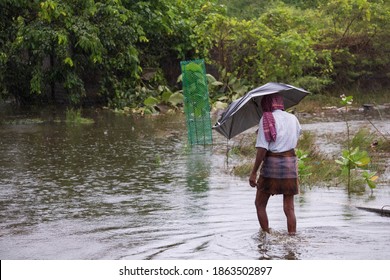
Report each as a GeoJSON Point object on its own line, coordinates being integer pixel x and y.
{"type": "Point", "coordinates": [270, 103]}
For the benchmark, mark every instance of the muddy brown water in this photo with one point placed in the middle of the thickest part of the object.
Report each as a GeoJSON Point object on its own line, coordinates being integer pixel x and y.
{"type": "Point", "coordinates": [131, 188]}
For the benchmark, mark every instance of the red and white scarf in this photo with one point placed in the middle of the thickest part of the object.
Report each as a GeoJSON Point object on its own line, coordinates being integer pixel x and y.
{"type": "Point", "coordinates": [270, 103]}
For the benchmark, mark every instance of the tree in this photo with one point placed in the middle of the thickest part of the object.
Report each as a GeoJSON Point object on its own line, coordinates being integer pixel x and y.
{"type": "Point", "coordinates": [52, 49]}
{"type": "Point", "coordinates": [64, 42]}
{"type": "Point", "coordinates": [71, 44]}
{"type": "Point", "coordinates": [356, 33]}
{"type": "Point", "coordinates": [261, 49]}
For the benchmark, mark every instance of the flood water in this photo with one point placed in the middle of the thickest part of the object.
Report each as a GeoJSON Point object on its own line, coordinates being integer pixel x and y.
{"type": "Point", "coordinates": [131, 188]}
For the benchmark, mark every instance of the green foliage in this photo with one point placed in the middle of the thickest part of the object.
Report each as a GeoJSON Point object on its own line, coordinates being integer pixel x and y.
{"type": "Point", "coordinates": [223, 92]}
{"type": "Point", "coordinates": [304, 170]}
{"type": "Point", "coordinates": [261, 49]}
{"type": "Point", "coordinates": [48, 46]}
{"type": "Point", "coordinates": [313, 84]}
{"type": "Point", "coordinates": [313, 166]}
{"type": "Point", "coordinates": [164, 96]}
{"type": "Point", "coordinates": [232, 87]}
{"type": "Point", "coordinates": [66, 41]}
{"type": "Point", "coordinates": [227, 90]}
{"type": "Point", "coordinates": [355, 33]}
{"type": "Point", "coordinates": [370, 178]}
{"type": "Point", "coordinates": [353, 161]}
{"type": "Point", "coordinates": [73, 116]}
{"type": "Point", "coordinates": [363, 139]}
{"type": "Point", "coordinates": [247, 9]}
{"type": "Point", "coordinates": [346, 100]}
{"type": "Point", "coordinates": [353, 158]}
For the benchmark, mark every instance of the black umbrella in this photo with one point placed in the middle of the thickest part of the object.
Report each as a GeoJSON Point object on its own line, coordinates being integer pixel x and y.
{"type": "Point", "coordinates": [246, 111]}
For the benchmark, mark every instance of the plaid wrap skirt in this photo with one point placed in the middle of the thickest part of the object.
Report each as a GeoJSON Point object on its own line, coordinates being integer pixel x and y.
{"type": "Point", "coordinates": [279, 173]}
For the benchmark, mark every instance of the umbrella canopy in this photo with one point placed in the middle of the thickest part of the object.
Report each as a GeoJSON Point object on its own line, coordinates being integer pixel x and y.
{"type": "Point", "coordinates": [246, 111]}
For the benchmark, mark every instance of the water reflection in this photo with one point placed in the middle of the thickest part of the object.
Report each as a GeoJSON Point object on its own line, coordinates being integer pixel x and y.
{"type": "Point", "coordinates": [198, 169]}
{"type": "Point", "coordinates": [131, 188]}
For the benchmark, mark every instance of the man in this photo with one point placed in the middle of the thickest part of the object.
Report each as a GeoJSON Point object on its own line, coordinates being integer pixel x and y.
{"type": "Point", "coordinates": [276, 140]}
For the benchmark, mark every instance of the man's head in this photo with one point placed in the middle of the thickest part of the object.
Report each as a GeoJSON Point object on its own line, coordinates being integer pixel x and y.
{"type": "Point", "coordinates": [272, 102]}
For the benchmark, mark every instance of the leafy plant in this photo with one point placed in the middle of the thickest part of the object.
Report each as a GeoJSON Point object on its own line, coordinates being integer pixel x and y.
{"type": "Point", "coordinates": [370, 178]}
{"type": "Point", "coordinates": [353, 158]}
{"type": "Point", "coordinates": [73, 116]}
{"type": "Point", "coordinates": [225, 90]}
{"type": "Point", "coordinates": [304, 170]}
{"type": "Point", "coordinates": [164, 96]}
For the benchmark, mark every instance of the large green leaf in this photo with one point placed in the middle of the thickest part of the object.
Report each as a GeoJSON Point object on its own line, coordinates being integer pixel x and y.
{"type": "Point", "coordinates": [363, 161]}
{"type": "Point", "coordinates": [176, 98]}
{"type": "Point", "coordinates": [151, 101]}
{"type": "Point", "coordinates": [165, 96]}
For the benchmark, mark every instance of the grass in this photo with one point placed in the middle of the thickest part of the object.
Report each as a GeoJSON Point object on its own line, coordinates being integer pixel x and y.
{"type": "Point", "coordinates": [244, 152]}
{"type": "Point", "coordinates": [73, 116]}
{"type": "Point", "coordinates": [370, 97]}
{"type": "Point", "coordinates": [377, 149]}
{"type": "Point", "coordinates": [323, 169]}
{"type": "Point", "coordinates": [23, 121]}
{"type": "Point", "coordinates": [315, 102]}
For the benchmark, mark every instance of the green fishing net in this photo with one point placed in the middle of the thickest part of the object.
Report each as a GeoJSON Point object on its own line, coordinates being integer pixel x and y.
{"type": "Point", "coordinates": [196, 102]}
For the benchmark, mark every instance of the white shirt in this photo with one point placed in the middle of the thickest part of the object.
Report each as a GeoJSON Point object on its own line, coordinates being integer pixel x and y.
{"type": "Point", "coordinates": [287, 133]}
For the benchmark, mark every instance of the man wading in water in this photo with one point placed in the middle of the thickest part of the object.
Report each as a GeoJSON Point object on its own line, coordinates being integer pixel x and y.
{"type": "Point", "coordinates": [276, 140]}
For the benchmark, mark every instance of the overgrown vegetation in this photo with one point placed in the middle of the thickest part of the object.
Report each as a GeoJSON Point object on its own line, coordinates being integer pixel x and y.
{"type": "Point", "coordinates": [123, 53]}
{"type": "Point", "coordinates": [73, 116]}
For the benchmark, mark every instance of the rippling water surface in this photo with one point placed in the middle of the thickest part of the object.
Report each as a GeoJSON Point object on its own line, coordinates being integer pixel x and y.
{"type": "Point", "coordinates": [130, 188]}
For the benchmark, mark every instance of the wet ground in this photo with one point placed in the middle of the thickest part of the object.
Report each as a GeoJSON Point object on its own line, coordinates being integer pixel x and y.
{"type": "Point", "coordinates": [131, 188]}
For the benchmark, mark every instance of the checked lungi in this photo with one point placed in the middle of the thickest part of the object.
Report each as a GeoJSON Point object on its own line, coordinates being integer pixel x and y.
{"type": "Point", "coordinates": [279, 173]}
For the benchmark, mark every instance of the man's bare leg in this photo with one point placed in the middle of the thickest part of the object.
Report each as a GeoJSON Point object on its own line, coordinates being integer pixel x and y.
{"type": "Point", "coordinates": [261, 204]}
{"type": "Point", "coordinates": [288, 207]}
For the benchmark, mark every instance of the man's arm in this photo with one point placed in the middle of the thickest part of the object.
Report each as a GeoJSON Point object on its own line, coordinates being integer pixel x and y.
{"type": "Point", "coordinates": [260, 154]}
